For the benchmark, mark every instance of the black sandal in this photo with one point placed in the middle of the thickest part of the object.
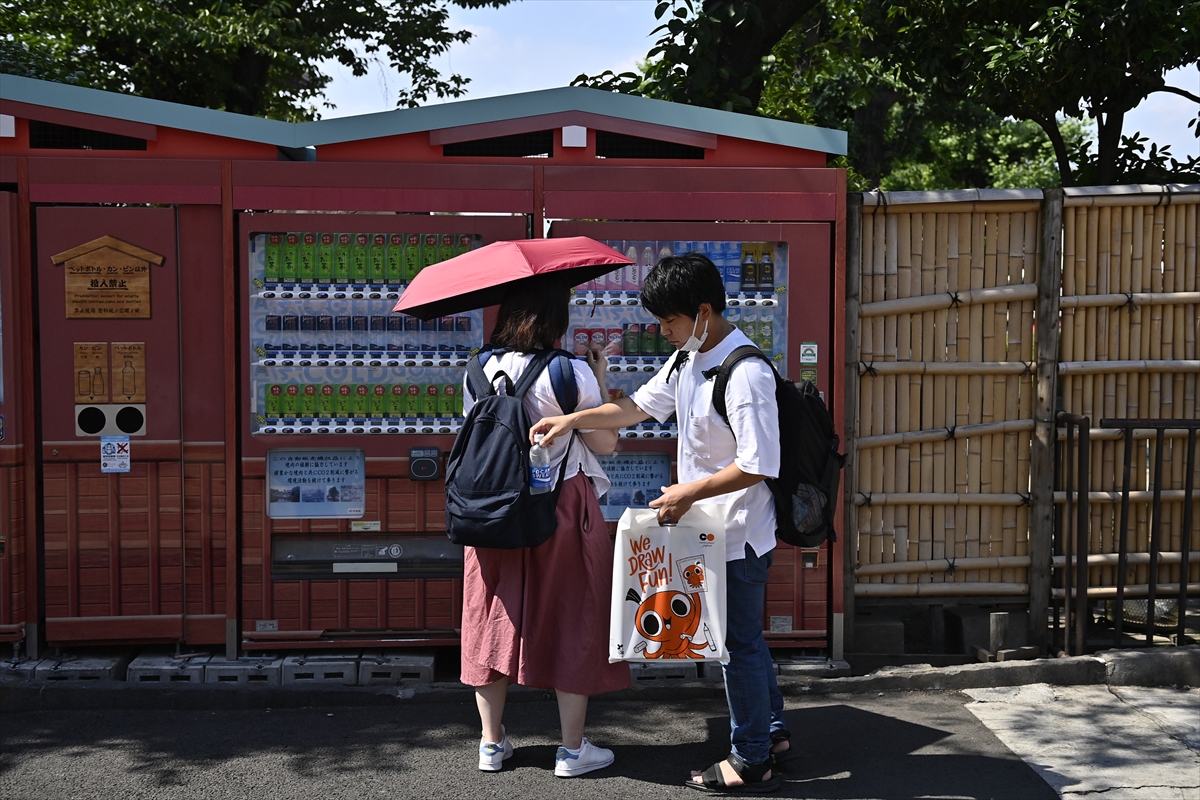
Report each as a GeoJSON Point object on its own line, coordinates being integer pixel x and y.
{"type": "Point", "coordinates": [751, 775]}
{"type": "Point", "coordinates": [788, 757]}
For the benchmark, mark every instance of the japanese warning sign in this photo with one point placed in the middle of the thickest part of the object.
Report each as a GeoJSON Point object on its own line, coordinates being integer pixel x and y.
{"type": "Point", "coordinates": [312, 484]}
{"type": "Point", "coordinates": [114, 454]}
{"type": "Point", "coordinates": [636, 481]}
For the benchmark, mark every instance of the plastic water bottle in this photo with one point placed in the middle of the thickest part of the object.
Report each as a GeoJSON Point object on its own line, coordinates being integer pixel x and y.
{"type": "Point", "coordinates": [540, 480]}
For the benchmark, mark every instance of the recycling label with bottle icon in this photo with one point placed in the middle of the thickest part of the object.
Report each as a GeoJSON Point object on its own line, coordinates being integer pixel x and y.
{"type": "Point", "coordinates": [114, 454]}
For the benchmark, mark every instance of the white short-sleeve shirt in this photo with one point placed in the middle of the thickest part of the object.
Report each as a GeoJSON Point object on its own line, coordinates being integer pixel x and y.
{"type": "Point", "coordinates": [707, 445]}
{"type": "Point", "coordinates": [540, 402]}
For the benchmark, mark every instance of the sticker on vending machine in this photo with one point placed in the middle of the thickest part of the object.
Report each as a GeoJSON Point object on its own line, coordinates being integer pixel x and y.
{"type": "Point", "coordinates": [808, 352]}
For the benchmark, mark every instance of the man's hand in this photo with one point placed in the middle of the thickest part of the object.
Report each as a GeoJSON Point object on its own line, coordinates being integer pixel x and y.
{"type": "Point", "coordinates": [675, 502]}
{"type": "Point", "coordinates": [551, 428]}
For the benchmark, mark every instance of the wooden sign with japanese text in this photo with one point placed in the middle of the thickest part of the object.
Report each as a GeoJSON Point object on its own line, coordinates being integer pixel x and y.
{"type": "Point", "coordinates": [129, 372]}
{"type": "Point", "coordinates": [91, 372]}
{"type": "Point", "coordinates": [107, 279]}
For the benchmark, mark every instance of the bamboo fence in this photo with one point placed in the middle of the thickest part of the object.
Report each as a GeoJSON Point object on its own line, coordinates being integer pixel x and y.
{"type": "Point", "coordinates": [943, 418]}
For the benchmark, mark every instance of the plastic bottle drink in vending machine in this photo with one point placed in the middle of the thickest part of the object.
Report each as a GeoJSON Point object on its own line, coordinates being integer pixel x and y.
{"type": "Point", "coordinates": [412, 400]}
{"type": "Point", "coordinates": [446, 335]}
{"type": "Point", "coordinates": [446, 400]}
{"type": "Point", "coordinates": [630, 278]}
{"type": "Point", "coordinates": [343, 254]}
{"type": "Point", "coordinates": [360, 258]}
{"type": "Point", "coordinates": [749, 271]}
{"type": "Point", "coordinates": [341, 333]}
{"type": "Point", "coordinates": [462, 334]}
{"type": "Point", "coordinates": [362, 400]}
{"type": "Point", "coordinates": [766, 271]}
{"type": "Point", "coordinates": [429, 341]}
{"type": "Point", "coordinates": [379, 333]}
{"type": "Point", "coordinates": [379, 400]}
{"type": "Point", "coordinates": [446, 247]}
{"type": "Point", "coordinates": [325, 259]}
{"type": "Point", "coordinates": [645, 265]}
{"type": "Point", "coordinates": [272, 257]}
{"type": "Point", "coordinates": [395, 259]}
{"type": "Point", "coordinates": [665, 348]}
{"type": "Point", "coordinates": [412, 256]}
{"type": "Point", "coordinates": [290, 261]}
{"type": "Point", "coordinates": [361, 331]}
{"type": "Point", "coordinates": [615, 337]}
{"type": "Point", "coordinates": [613, 281]}
{"type": "Point", "coordinates": [325, 401]}
{"type": "Point", "coordinates": [649, 339]}
{"type": "Point", "coordinates": [291, 332]}
{"type": "Point", "coordinates": [307, 271]}
{"type": "Point", "coordinates": [582, 339]}
{"type": "Point", "coordinates": [665, 250]}
{"type": "Point", "coordinates": [273, 330]}
{"type": "Point", "coordinates": [308, 401]}
{"type": "Point", "coordinates": [429, 250]}
{"type": "Point", "coordinates": [464, 243]}
{"type": "Point", "coordinates": [396, 400]}
{"type": "Point", "coordinates": [412, 334]}
{"type": "Point", "coordinates": [325, 339]}
{"type": "Point", "coordinates": [733, 315]}
{"type": "Point", "coordinates": [750, 323]}
{"type": "Point", "coordinates": [308, 332]}
{"type": "Point", "coordinates": [272, 397]}
{"type": "Point", "coordinates": [343, 401]}
{"type": "Point", "coordinates": [395, 327]}
{"type": "Point", "coordinates": [731, 266]}
{"type": "Point", "coordinates": [429, 400]}
{"type": "Point", "coordinates": [540, 478]}
{"type": "Point", "coordinates": [599, 340]}
{"type": "Point", "coordinates": [766, 330]}
{"type": "Point", "coordinates": [632, 343]}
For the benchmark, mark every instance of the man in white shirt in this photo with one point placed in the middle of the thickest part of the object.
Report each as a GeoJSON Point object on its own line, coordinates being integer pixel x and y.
{"type": "Point", "coordinates": [718, 462]}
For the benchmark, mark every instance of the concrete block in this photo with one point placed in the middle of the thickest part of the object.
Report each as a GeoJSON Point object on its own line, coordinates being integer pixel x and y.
{"type": "Point", "coordinates": [164, 670]}
{"type": "Point", "coordinates": [663, 672]}
{"type": "Point", "coordinates": [22, 670]}
{"type": "Point", "coordinates": [1161, 666]}
{"type": "Point", "coordinates": [814, 668]}
{"type": "Point", "coordinates": [390, 668]}
{"type": "Point", "coordinates": [84, 668]}
{"type": "Point", "coordinates": [246, 671]}
{"type": "Point", "coordinates": [321, 669]}
{"type": "Point", "coordinates": [874, 634]}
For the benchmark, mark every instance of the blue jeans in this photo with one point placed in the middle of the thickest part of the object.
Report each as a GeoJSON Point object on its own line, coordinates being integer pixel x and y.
{"type": "Point", "coordinates": [755, 702]}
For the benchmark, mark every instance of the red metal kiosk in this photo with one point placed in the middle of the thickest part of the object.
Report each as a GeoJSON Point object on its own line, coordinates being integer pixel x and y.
{"type": "Point", "coordinates": [209, 290]}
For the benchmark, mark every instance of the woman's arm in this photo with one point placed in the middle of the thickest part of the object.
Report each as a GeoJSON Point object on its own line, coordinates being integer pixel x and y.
{"type": "Point", "coordinates": [610, 416]}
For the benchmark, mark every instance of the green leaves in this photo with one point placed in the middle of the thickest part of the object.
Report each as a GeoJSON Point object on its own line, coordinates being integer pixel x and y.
{"type": "Point", "coordinates": [257, 57]}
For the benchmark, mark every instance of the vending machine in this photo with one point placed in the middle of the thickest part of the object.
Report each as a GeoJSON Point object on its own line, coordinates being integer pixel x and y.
{"type": "Point", "coordinates": [776, 279]}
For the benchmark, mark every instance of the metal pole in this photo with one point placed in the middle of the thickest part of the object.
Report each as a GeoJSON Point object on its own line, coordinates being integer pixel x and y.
{"type": "Point", "coordinates": [1155, 525]}
{"type": "Point", "coordinates": [1123, 539]}
{"type": "Point", "coordinates": [1081, 532]}
{"type": "Point", "coordinates": [1067, 536]}
{"type": "Point", "coordinates": [1185, 539]}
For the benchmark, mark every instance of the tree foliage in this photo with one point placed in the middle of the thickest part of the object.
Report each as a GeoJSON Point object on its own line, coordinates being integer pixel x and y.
{"type": "Point", "coordinates": [945, 93]}
{"type": "Point", "coordinates": [260, 57]}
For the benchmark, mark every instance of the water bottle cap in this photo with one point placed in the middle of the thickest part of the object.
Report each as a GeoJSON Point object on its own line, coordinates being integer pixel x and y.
{"type": "Point", "coordinates": [537, 439]}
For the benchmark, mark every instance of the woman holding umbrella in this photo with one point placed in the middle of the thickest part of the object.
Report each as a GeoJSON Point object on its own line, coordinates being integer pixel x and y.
{"type": "Point", "coordinates": [539, 616]}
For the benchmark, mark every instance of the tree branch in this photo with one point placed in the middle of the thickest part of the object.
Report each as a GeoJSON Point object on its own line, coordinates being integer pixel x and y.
{"type": "Point", "coordinates": [1174, 90]}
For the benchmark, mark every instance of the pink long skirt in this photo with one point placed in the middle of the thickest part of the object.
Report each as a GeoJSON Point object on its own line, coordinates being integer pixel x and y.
{"type": "Point", "coordinates": [540, 615]}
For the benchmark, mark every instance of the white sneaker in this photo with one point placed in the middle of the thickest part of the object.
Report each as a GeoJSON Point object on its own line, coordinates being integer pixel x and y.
{"type": "Point", "coordinates": [492, 755]}
{"type": "Point", "coordinates": [590, 758]}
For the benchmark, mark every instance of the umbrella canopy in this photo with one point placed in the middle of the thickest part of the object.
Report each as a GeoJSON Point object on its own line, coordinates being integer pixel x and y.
{"type": "Point", "coordinates": [480, 277]}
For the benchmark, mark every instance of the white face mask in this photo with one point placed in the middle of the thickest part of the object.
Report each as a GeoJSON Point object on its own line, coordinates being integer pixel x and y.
{"type": "Point", "coordinates": [693, 344]}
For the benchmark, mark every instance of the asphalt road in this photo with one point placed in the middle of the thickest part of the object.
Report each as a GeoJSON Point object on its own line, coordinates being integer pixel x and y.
{"type": "Point", "coordinates": [901, 745]}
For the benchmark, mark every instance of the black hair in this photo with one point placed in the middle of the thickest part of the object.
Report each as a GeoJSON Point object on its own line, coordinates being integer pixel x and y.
{"type": "Point", "coordinates": [679, 284]}
{"type": "Point", "coordinates": [533, 314]}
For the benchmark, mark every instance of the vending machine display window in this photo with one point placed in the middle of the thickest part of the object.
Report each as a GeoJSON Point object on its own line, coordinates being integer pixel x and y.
{"type": "Point", "coordinates": [327, 354]}
{"type": "Point", "coordinates": [607, 313]}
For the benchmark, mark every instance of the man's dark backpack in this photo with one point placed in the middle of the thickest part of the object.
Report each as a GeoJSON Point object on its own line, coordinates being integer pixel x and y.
{"type": "Point", "coordinates": [488, 503]}
{"type": "Point", "coordinates": [810, 465]}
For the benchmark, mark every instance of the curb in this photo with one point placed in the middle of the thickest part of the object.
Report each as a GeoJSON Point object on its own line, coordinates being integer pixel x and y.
{"type": "Point", "coordinates": [1163, 667]}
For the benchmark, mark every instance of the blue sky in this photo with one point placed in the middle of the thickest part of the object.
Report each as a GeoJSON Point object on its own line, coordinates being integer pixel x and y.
{"type": "Point", "coordinates": [541, 44]}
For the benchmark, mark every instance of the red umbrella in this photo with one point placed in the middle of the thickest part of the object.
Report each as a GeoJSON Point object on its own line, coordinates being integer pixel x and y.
{"type": "Point", "coordinates": [480, 277]}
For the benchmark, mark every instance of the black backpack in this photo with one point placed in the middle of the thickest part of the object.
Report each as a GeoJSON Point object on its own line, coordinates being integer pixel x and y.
{"type": "Point", "coordinates": [488, 503]}
{"type": "Point", "coordinates": [810, 465]}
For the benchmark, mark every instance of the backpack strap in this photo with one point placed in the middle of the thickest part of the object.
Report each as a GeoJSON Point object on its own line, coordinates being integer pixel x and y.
{"type": "Point", "coordinates": [562, 378]}
{"type": "Point", "coordinates": [681, 358]}
{"type": "Point", "coordinates": [722, 371]}
{"type": "Point", "coordinates": [544, 360]}
{"type": "Point", "coordinates": [477, 380]}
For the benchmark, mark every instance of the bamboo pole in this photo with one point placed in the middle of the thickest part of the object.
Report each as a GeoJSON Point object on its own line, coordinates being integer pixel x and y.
{"type": "Point", "coordinates": [1137, 590]}
{"type": "Point", "coordinates": [1135, 496]}
{"type": "Point", "coordinates": [962, 385]}
{"type": "Point", "coordinates": [941, 589]}
{"type": "Point", "coordinates": [1082, 202]}
{"type": "Point", "coordinates": [943, 498]}
{"type": "Point", "coordinates": [1126, 298]}
{"type": "Point", "coordinates": [873, 243]}
{"type": "Point", "coordinates": [951, 207]}
{"type": "Point", "coordinates": [945, 564]}
{"type": "Point", "coordinates": [857, 254]}
{"type": "Point", "coordinates": [945, 368]}
{"type": "Point", "coordinates": [948, 433]}
{"type": "Point", "coordinates": [1142, 366]}
{"type": "Point", "coordinates": [903, 477]}
{"type": "Point", "coordinates": [939, 299]}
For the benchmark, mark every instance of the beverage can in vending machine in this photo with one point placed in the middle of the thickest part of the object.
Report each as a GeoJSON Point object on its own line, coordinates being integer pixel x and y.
{"type": "Point", "coordinates": [599, 339]}
{"type": "Point", "coordinates": [632, 344]}
{"type": "Point", "coordinates": [766, 270]}
{"type": "Point", "coordinates": [395, 259]}
{"type": "Point", "coordinates": [649, 338]}
{"type": "Point", "coordinates": [343, 254]}
{"type": "Point", "coordinates": [272, 257]}
{"type": "Point", "coordinates": [582, 339]}
{"type": "Point", "coordinates": [307, 271]}
{"type": "Point", "coordinates": [325, 259]}
{"type": "Point", "coordinates": [616, 338]}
